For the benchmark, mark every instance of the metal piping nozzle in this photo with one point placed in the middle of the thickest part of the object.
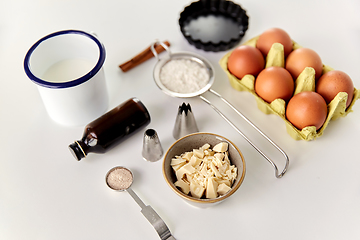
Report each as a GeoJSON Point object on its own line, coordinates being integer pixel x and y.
{"type": "Point", "coordinates": [152, 150]}
{"type": "Point", "coordinates": [185, 122]}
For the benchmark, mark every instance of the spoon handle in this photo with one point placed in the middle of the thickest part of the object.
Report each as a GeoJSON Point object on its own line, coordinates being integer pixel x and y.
{"type": "Point", "coordinates": [157, 223]}
{"type": "Point", "coordinates": [136, 198]}
{"type": "Point", "coordinates": [152, 217]}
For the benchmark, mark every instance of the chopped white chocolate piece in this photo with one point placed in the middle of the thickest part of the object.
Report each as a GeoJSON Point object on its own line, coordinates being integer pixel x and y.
{"type": "Point", "coordinates": [177, 167]}
{"type": "Point", "coordinates": [176, 161]}
{"type": "Point", "coordinates": [198, 153]}
{"type": "Point", "coordinates": [205, 146]}
{"type": "Point", "coordinates": [223, 189]}
{"type": "Point", "coordinates": [204, 169]}
{"type": "Point", "coordinates": [185, 187]}
{"type": "Point", "coordinates": [211, 188]}
{"type": "Point", "coordinates": [195, 161]}
{"type": "Point", "coordinates": [196, 190]}
{"type": "Point", "coordinates": [224, 181]}
{"type": "Point", "coordinates": [187, 168]}
{"type": "Point", "coordinates": [221, 147]}
{"type": "Point", "coordinates": [187, 155]}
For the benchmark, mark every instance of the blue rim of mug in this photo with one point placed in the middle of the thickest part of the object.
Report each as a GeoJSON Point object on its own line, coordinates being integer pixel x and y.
{"type": "Point", "coordinates": [71, 83]}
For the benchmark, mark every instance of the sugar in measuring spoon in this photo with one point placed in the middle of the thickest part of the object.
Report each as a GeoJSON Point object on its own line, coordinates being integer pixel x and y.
{"type": "Point", "coordinates": [120, 179]}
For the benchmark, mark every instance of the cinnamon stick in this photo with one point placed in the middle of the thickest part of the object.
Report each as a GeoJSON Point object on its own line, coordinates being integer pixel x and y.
{"type": "Point", "coordinates": [142, 57]}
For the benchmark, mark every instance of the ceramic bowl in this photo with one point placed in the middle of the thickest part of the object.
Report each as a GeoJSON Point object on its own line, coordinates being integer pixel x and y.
{"type": "Point", "coordinates": [194, 141]}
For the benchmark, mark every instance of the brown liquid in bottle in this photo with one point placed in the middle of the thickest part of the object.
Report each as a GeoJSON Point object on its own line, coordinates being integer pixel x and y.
{"type": "Point", "coordinates": [111, 128]}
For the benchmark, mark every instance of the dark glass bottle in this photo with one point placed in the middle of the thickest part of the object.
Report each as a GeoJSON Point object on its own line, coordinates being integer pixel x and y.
{"type": "Point", "coordinates": [111, 128]}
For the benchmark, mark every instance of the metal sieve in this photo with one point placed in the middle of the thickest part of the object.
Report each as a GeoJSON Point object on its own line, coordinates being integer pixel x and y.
{"type": "Point", "coordinates": [207, 65]}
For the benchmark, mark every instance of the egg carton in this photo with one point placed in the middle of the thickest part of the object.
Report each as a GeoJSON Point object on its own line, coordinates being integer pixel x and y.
{"type": "Point", "coordinates": [305, 82]}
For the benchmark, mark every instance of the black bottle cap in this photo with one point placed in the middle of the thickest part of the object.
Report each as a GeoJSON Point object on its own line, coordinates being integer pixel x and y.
{"type": "Point", "coordinates": [76, 151]}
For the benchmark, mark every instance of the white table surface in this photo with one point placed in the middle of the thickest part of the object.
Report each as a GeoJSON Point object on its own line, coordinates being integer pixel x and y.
{"type": "Point", "coordinates": [46, 194]}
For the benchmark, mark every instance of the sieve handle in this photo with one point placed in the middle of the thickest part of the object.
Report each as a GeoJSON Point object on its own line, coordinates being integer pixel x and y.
{"type": "Point", "coordinates": [246, 138]}
{"type": "Point", "coordinates": [152, 48]}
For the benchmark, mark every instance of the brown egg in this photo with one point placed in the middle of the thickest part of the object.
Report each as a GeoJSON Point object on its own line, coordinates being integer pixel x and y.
{"type": "Point", "coordinates": [273, 83]}
{"type": "Point", "coordinates": [301, 58]}
{"type": "Point", "coordinates": [245, 60]}
{"type": "Point", "coordinates": [333, 82]}
{"type": "Point", "coordinates": [271, 36]}
{"type": "Point", "coordinates": [307, 109]}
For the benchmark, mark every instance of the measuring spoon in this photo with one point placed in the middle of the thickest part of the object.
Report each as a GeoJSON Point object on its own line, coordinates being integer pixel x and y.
{"type": "Point", "coordinates": [120, 179]}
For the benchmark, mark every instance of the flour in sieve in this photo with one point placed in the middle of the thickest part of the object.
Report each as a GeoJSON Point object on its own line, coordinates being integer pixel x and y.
{"type": "Point", "coordinates": [184, 76]}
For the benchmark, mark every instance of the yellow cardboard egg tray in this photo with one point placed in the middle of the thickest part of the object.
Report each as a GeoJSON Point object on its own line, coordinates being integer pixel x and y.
{"type": "Point", "coordinates": [305, 82]}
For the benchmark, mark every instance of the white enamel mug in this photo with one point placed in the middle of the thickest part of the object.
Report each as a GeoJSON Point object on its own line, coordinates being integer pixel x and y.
{"type": "Point", "coordinates": [67, 67]}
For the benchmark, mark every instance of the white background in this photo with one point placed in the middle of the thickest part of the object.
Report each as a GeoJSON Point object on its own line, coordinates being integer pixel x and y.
{"type": "Point", "coordinates": [46, 194]}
